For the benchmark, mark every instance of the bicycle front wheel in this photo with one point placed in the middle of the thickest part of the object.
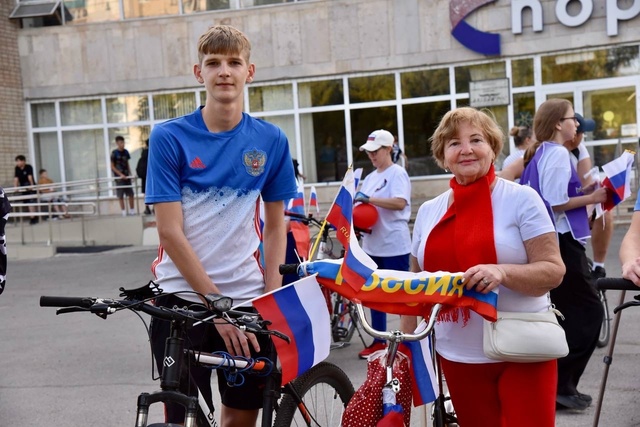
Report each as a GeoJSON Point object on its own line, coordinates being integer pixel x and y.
{"type": "Point", "coordinates": [325, 391]}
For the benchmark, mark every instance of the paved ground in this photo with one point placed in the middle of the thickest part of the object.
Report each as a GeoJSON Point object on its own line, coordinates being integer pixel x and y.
{"type": "Point", "coordinates": [78, 370]}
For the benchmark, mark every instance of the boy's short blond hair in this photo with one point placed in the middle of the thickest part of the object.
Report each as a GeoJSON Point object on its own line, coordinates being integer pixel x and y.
{"type": "Point", "coordinates": [223, 39]}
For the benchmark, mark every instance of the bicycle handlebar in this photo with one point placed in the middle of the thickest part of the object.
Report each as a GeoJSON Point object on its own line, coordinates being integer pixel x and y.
{"type": "Point", "coordinates": [396, 335]}
{"type": "Point", "coordinates": [55, 301]}
{"type": "Point", "coordinates": [615, 283]}
{"type": "Point", "coordinates": [288, 268]}
{"type": "Point", "coordinates": [104, 306]}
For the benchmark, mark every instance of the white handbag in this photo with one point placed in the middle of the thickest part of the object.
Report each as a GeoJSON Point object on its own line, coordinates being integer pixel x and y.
{"type": "Point", "coordinates": [525, 337]}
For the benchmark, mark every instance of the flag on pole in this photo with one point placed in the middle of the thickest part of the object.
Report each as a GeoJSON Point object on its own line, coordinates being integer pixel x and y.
{"type": "Point", "coordinates": [618, 179]}
{"type": "Point", "coordinates": [313, 200]}
{"type": "Point", "coordinates": [299, 311]}
{"type": "Point", "coordinates": [357, 175]}
{"type": "Point", "coordinates": [357, 266]}
{"type": "Point", "coordinates": [297, 203]}
{"type": "Point", "coordinates": [424, 385]}
{"type": "Point", "coordinates": [299, 229]}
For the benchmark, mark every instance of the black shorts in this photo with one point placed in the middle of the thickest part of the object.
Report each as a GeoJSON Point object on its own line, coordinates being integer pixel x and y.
{"type": "Point", "coordinates": [205, 337]}
{"type": "Point", "coordinates": [124, 191]}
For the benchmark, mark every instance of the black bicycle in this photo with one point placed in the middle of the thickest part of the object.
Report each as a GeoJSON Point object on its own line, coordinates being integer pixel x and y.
{"type": "Point", "coordinates": [624, 286]}
{"type": "Point", "coordinates": [316, 398]}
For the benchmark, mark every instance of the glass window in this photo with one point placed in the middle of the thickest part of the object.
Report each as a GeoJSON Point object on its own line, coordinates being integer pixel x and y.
{"type": "Point", "coordinates": [47, 155]}
{"type": "Point", "coordinates": [372, 88]}
{"type": "Point", "coordinates": [84, 154]}
{"type": "Point", "coordinates": [469, 73]}
{"type": "Point", "coordinates": [524, 108]}
{"type": "Point", "coordinates": [365, 121]}
{"type": "Point", "coordinates": [145, 8]}
{"type": "Point", "coordinates": [134, 137]}
{"type": "Point", "coordinates": [420, 121]}
{"type": "Point", "coordinates": [615, 117]}
{"type": "Point", "coordinates": [317, 94]}
{"type": "Point", "coordinates": [522, 72]}
{"type": "Point", "coordinates": [80, 112]}
{"type": "Point", "coordinates": [270, 98]}
{"type": "Point", "coordinates": [43, 115]}
{"type": "Point", "coordinates": [191, 6]}
{"type": "Point", "coordinates": [87, 11]}
{"type": "Point", "coordinates": [499, 114]}
{"type": "Point", "coordinates": [172, 105]}
{"type": "Point", "coordinates": [287, 124]}
{"type": "Point", "coordinates": [126, 109]}
{"type": "Point", "coordinates": [324, 146]}
{"type": "Point", "coordinates": [203, 97]}
{"type": "Point", "coordinates": [597, 64]}
{"type": "Point", "coordinates": [417, 84]}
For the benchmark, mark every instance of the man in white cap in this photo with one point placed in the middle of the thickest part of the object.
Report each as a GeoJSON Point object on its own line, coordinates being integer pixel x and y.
{"type": "Point", "coordinates": [388, 189]}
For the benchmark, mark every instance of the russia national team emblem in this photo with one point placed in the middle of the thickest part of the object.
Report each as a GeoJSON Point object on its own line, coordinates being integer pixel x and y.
{"type": "Point", "coordinates": [254, 161]}
{"type": "Point", "coordinates": [470, 37]}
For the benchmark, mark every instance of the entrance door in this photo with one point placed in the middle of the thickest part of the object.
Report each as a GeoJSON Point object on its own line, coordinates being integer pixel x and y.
{"type": "Point", "coordinates": [614, 106]}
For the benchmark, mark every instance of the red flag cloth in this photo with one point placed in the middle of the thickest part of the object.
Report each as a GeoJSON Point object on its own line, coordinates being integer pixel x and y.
{"type": "Point", "coordinates": [365, 407]}
{"type": "Point", "coordinates": [392, 419]}
{"type": "Point", "coordinates": [300, 233]}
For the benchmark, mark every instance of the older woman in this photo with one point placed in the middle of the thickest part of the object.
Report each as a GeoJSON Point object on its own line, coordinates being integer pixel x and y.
{"type": "Point", "coordinates": [550, 172]}
{"type": "Point", "coordinates": [499, 234]}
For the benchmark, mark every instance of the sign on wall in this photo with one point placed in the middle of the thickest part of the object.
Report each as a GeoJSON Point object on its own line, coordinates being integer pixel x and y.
{"type": "Point", "coordinates": [489, 93]}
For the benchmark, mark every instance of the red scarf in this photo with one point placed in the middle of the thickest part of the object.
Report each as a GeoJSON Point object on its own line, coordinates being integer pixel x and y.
{"type": "Point", "coordinates": [464, 235]}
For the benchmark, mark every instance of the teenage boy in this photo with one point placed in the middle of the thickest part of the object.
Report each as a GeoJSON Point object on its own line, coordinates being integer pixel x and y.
{"type": "Point", "coordinates": [23, 177]}
{"type": "Point", "coordinates": [120, 167]}
{"type": "Point", "coordinates": [207, 174]}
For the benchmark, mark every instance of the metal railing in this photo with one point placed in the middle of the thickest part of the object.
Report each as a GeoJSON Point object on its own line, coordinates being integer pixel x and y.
{"type": "Point", "coordinates": [77, 199]}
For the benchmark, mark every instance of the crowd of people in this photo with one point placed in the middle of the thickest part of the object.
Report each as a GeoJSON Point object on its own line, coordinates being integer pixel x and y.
{"type": "Point", "coordinates": [207, 172]}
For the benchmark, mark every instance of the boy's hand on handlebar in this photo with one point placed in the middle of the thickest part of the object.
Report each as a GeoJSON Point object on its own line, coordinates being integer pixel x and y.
{"type": "Point", "coordinates": [238, 343]}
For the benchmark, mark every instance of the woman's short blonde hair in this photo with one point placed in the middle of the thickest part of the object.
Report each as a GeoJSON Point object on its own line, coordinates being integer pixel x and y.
{"type": "Point", "coordinates": [225, 40]}
{"type": "Point", "coordinates": [448, 129]}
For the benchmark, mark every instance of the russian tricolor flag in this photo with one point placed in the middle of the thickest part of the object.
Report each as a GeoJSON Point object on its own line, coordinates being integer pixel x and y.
{"type": "Point", "coordinates": [297, 203]}
{"type": "Point", "coordinates": [357, 176]}
{"type": "Point", "coordinates": [299, 311]}
{"type": "Point", "coordinates": [424, 385]}
{"type": "Point", "coordinates": [357, 266]}
{"type": "Point", "coordinates": [313, 200]}
{"type": "Point", "coordinates": [341, 212]}
{"type": "Point", "coordinates": [618, 179]}
{"type": "Point", "coordinates": [299, 230]}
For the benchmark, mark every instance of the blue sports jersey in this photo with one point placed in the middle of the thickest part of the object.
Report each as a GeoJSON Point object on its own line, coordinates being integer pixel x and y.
{"type": "Point", "coordinates": [637, 205]}
{"type": "Point", "coordinates": [219, 178]}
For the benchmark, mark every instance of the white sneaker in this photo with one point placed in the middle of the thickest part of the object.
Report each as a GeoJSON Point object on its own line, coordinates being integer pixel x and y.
{"type": "Point", "coordinates": [124, 213]}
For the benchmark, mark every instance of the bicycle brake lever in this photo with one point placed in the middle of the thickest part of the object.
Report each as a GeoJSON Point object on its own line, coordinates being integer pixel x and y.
{"type": "Point", "coordinates": [65, 310]}
{"type": "Point", "coordinates": [281, 336]}
{"type": "Point", "coordinates": [625, 305]}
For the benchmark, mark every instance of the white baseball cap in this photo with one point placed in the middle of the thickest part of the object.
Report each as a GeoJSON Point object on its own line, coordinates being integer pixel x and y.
{"type": "Point", "coordinates": [378, 138]}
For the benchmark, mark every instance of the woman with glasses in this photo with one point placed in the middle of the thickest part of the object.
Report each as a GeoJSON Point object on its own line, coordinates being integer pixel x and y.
{"type": "Point", "coordinates": [548, 169]}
